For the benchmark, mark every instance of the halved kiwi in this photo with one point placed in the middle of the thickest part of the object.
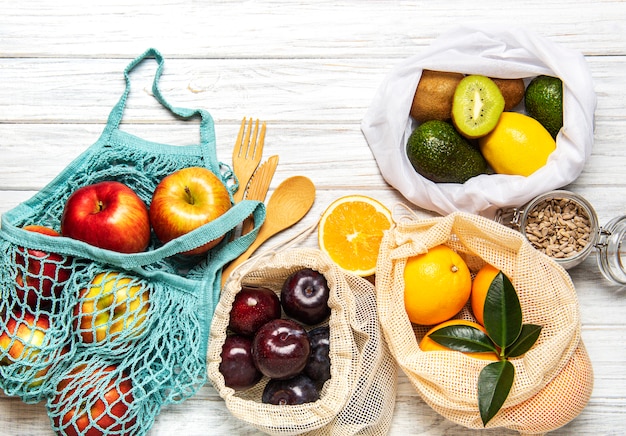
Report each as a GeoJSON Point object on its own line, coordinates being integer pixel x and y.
{"type": "Point", "coordinates": [476, 106]}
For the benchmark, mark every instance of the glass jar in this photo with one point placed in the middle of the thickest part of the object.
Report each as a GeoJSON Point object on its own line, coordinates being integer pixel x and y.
{"type": "Point", "coordinates": [564, 225]}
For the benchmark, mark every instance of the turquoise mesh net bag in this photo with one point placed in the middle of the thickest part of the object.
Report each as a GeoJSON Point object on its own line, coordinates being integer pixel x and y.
{"type": "Point", "coordinates": [107, 339]}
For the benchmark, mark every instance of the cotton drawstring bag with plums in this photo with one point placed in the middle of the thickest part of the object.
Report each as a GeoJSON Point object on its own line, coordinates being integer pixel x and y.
{"type": "Point", "coordinates": [552, 377]}
{"type": "Point", "coordinates": [103, 336]}
{"type": "Point", "coordinates": [356, 396]}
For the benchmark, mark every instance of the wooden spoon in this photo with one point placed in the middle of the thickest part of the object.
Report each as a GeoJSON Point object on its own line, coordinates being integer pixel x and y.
{"type": "Point", "coordinates": [289, 203]}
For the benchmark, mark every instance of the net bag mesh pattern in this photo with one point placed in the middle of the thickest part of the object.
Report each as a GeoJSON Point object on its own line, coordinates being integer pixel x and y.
{"type": "Point", "coordinates": [359, 398]}
{"type": "Point", "coordinates": [107, 339]}
{"type": "Point", "coordinates": [553, 380]}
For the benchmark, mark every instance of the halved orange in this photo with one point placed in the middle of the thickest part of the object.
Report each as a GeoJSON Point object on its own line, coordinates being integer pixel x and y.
{"type": "Point", "coordinates": [350, 232]}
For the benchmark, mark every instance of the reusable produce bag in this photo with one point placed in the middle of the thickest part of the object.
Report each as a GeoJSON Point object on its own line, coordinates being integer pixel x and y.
{"type": "Point", "coordinates": [493, 51]}
{"type": "Point", "coordinates": [359, 398]}
{"type": "Point", "coordinates": [553, 380]}
{"type": "Point", "coordinates": [105, 338]}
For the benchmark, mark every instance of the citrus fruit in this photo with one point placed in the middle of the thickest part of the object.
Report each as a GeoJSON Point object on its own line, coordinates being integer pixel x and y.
{"type": "Point", "coordinates": [480, 287]}
{"type": "Point", "coordinates": [427, 344]}
{"type": "Point", "coordinates": [350, 232]}
{"type": "Point", "coordinates": [518, 145]}
{"type": "Point", "coordinates": [437, 285]}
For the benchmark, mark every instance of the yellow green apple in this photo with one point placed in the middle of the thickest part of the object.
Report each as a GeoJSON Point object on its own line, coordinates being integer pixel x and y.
{"type": "Point", "coordinates": [110, 306]}
{"type": "Point", "coordinates": [186, 200]}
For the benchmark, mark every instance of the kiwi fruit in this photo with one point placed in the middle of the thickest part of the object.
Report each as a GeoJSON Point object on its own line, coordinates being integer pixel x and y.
{"type": "Point", "coordinates": [512, 90]}
{"type": "Point", "coordinates": [433, 96]}
{"type": "Point", "coordinates": [476, 106]}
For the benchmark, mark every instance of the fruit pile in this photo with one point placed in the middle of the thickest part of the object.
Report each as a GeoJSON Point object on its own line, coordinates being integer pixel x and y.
{"type": "Point", "coordinates": [438, 285]}
{"type": "Point", "coordinates": [112, 216]}
{"type": "Point", "coordinates": [110, 309]}
{"type": "Point", "coordinates": [468, 125]}
{"type": "Point", "coordinates": [263, 342]}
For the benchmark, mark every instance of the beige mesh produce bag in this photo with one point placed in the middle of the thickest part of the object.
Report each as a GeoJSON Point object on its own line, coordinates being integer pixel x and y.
{"type": "Point", "coordinates": [553, 380]}
{"type": "Point", "coordinates": [359, 398]}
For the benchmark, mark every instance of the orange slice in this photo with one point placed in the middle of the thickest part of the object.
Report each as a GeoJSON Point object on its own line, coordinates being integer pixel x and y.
{"type": "Point", "coordinates": [350, 232]}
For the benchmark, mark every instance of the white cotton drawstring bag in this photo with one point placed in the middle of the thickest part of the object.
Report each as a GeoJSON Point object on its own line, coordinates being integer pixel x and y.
{"type": "Point", "coordinates": [494, 51]}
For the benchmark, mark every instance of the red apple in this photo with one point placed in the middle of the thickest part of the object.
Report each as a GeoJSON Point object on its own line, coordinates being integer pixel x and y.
{"type": "Point", "coordinates": [22, 339]}
{"type": "Point", "coordinates": [93, 402]}
{"type": "Point", "coordinates": [43, 274]}
{"type": "Point", "coordinates": [186, 200]}
{"type": "Point", "coordinates": [108, 215]}
{"type": "Point", "coordinates": [112, 305]}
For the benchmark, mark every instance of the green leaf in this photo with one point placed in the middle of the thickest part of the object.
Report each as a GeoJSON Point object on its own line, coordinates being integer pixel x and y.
{"type": "Point", "coordinates": [502, 312]}
{"type": "Point", "coordinates": [527, 338]}
{"type": "Point", "coordinates": [494, 384]}
{"type": "Point", "coordinates": [463, 338]}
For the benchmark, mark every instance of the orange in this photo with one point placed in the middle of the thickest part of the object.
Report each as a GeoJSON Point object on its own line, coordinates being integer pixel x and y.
{"type": "Point", "coordinates": [350, 232]}
{"type": "Point", "coordinates": [518, 145]}
{"type": "Point", "coordinates": [480, 287]}
{"type": "Point", "coordinates": [437, 284]}
{"type": "Point", "coordinates": [427, 344]}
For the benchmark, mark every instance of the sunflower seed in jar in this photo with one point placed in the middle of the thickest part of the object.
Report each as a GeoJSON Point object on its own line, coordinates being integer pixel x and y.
{"type": "Point", "coordinates": [558, 227]}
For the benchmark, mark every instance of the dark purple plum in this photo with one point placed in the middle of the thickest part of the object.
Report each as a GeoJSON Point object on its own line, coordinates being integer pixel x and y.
{"type": "Point", "coordinates": [304, 296]}
{"type": "Point", "coordinates": [253, 306]}
{"type": "Point", "coordinates": [237, 365]}
{"type": "Point", "coordinates": [297, 390]}
{"type": "Point", "coordinates": [280, 348]}
{"type": "Point", "coordinates": [318, 366]}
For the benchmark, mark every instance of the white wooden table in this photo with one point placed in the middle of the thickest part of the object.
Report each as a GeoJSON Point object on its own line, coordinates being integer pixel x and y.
{"type": "Point", "coordinates": [309, 69]}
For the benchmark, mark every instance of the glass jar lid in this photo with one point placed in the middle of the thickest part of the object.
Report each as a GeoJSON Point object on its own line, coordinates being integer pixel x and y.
{"type": "Point", "coordinates": [612, 250]}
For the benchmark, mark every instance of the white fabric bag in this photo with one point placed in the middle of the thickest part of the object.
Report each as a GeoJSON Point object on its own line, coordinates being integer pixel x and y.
{"type": "Point", "coordinates": [494, 51]}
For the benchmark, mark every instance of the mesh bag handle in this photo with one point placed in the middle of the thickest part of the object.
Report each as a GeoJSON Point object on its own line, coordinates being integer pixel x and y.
{"type": "Point", "coordinates": [194, 239]}
{"type": "Point", "coordinates": [207, 127]}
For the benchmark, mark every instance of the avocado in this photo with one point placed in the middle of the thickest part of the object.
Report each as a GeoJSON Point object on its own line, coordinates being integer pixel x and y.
{"type": "Point", "coordinates": [439, 153]}
{"type": "Point", "coordinates": [544, 102]}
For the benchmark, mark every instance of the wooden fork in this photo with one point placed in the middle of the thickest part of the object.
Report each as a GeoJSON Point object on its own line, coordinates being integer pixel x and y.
{"type": "Point", "coordinates": [259, 185]}
{"type": "Point", "coordinates": [247, 154]}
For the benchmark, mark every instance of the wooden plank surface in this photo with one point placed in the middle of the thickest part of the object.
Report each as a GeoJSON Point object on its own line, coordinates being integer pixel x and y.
{"type": "Point", "coordinates": [310, 69]}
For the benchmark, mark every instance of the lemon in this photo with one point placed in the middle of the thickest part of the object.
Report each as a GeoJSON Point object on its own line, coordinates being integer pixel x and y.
{"type": "Point", "coordinates": [437, 284]}
{"type": "Point", "coordinates": [518, 145]}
